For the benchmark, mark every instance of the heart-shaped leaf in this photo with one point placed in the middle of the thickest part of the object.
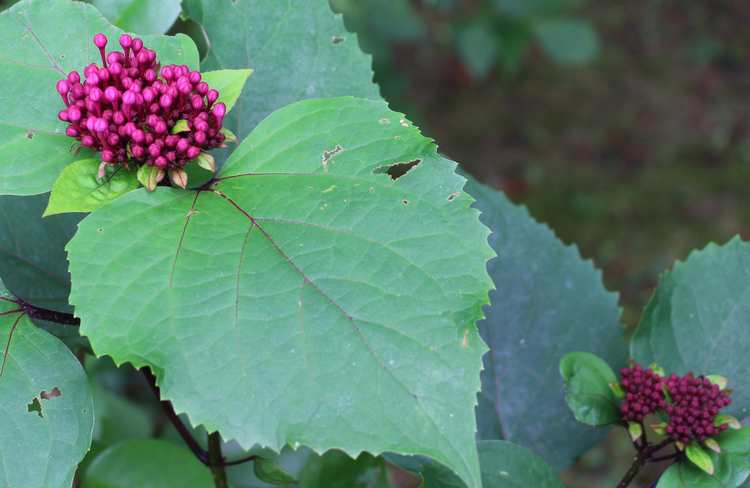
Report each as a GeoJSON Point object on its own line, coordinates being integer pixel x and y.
{"type": "Point", "coordinates": [548, 302]}
{"type": "Point", "coordinates": [45, 405]}
{"type": "Point", "coordinates": [147, 462]}
{"type": "Point", "coordinates": [335, 267]}
{"type": "Point", "coordinates": [80, 189]}
{"type": "Point", "coordinates": [298, 49]}
{"type": "Point", "coordinates": [40, 42]}
{"type": "Point", "coordinates": [697, 319]}
{"type": "Point", "coordinates": [32, 251]}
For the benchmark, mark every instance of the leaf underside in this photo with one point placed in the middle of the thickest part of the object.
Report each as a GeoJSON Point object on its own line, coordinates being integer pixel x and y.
{"type": "Point", "coordinates": [307, 297]}
{"type": "Point", "coordinates": [548, 301]}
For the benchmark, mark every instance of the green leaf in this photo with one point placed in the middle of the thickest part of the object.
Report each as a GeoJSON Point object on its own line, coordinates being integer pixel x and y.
{"type": "Point", "coordinates": [79, 188]}
{"type": "Point", "coordinates": [229, 83]}
{"type": "Point", "coordinates": [32, 255]}
{"type": "Point", "coordinates": [548, 301]}
{"type": "Point", "coordinates": [729, 420]}
{"type": "Point", "coordinates": [732, 466]}
{"type": "Point", "coordinates": [140, 16]}
{"type": "Point", "coordinates": [337, 470]}
{"type": "Point", "coordinates": [150, 176]}
{"type": "Point", "coordinates": [508, 465]}
{"type": "Point", "coordinates": [698, 456]}
{"type": "Point", "coordinates": [567, 41]}
{"type": "Point", "coordinates": [40, 41]}
{"type": "Point", "coordinates": [717, 380]}
{"type": "Point", "coordinates": [312, 55]}
{"type": "Point", "coordinates": [697, 318]}
{"type": "Point", "coordinates": [635, 430]}
{"type": "Point", "coordinates": [229, 136]}
{"type": "Point", "coordinates": [45, 405]}
{"type": "Point", "coordinates": [316, 267]}
{"type": "Point", "coordinates": [148, 463]}
{"type": "Point", "coordinates": [270, 471]}
{"type": "Point", "coordinates": [587, 378]}
{"type": "Point", "coordinates": [181, 126]}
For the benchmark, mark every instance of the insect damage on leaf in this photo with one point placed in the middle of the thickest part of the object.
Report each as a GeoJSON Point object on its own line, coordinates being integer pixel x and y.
{"type": "Point", "coordinates": [328, 155]}
{"type": "Point", "coordinates": [35, 405]}
{"type": "Point", "coordinates": [397, 170]}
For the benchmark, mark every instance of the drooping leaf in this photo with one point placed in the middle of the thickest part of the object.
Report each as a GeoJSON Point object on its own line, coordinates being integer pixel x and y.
{"type": "Point", "coordinates": [45, 405]}
{"type": "Point", "coordinates": [732, 465]}
{"type": "Point", "coordinates": [337, 252]}
{"type": "Point", "coordinates": [40, 41]}
{"type": "Point", "coordinates": [567, 41]}
{"type": "Point", "coordinates": [147, 463]}
{"type": "Point", "coordinates": [547, 302]}
{"type": "Point", "coordinates": [298, 49]}
{"type": "Point", "coordinates": [140, 16]}
{"type": "Point", "coordinates": [32, 251]}
{"type": "Point", "coordinates": [229, 83]}
{"type": "Point", "coordinates": [587, 391]}
{"type": "Point", "coordinates": [79, 188]}
{"type": "Point", "coordinates": [697, 319]}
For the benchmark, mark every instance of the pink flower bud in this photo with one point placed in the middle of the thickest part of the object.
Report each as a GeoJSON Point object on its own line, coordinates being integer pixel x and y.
{"type": "Point", "coordinates": [63, 115]}
{"type": "Point", "coordinates": [95, 94]}
{"type": "Point", "coordinates": [137, 45]}
{"type": "Point", "coordinates": [194, 77]}
{"type": "Point", "coordinates": [165, 101]}
{"type": "Point", "coordinates": [100, 125]}
{"type": "Point", "coordinates": [74, 77]}
{"type": "Point", "coordinates": [161, 162]}
{"type": "Point", "coordinates": [71, 132]}
{"type": "Point", "coordinates": [100, 40]}
{"type": "Point", "coordinates": [128, 98]}
{"type": "Point", "coordinates": [126, 41]}
{"type": "Point", "coordinates": [193, 152]}
{"type": "Point", "coordinates": [202, 88]}
{"type": "Point", "coordinates": [212, 96]}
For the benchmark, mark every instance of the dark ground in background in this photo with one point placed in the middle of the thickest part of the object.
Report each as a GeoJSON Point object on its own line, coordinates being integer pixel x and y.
{"type": "Point", "coordinates": [637, 158]}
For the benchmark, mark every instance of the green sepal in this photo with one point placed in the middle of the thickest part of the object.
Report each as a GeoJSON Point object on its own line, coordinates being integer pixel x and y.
{"type": "Point", "coordinates": [179, 178]}
{"type": "Point", "coordinates": [727, 419]}
{"type": "Point", "coordinates": [617, 390]}
{"type": "Point", "coordinates": [635, 430]}
{"type": "Point", "coordinates": [206, 161]}
{"type": "Point", "coordinates": [698, 456]}
{"type": "Point", "coordinates": [718, 380]}
{"type": "Point", "coordinates": [660, 428]}
{"type": "Point", "coordinates": [229, 136]}
{"type": "Point", "coordinates": [657, 369]}
{"type": "Point", "coordinates": [150, 176]}
{"type": "Point", "coordinates": [713, 445]}
{"type": "Point", "coordinates": [181, 126]}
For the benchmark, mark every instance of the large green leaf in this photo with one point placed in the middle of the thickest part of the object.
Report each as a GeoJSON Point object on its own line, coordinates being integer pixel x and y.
{"type": "Point", "coordinates": [147, 463]}
{"type": "Point", "coordinates": [32, 251]}
{"type": "Point", "coordinates": [308, 297]}
{"type": "Point", "coordinates": [548, 302]}
{"type": "Point", "coordinates": [45, 405]}
{"type": "Point", "coordinates": [140, 16]}
{"type": "Point", "coordinates": [588, 389]}
{"type": "Point", "coordinates": [40, 41]}
{"type": "Point", "coordinates": [298, 49]}
{"type": "Point", "coordinates": [697, 319]}
{"type": "Point", "coordinates": [732, 465]}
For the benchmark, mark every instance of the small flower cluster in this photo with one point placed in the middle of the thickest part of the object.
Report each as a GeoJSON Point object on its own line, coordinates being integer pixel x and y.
{"type": "Point", "coordinates": [128, 108]}
{"type": "Point", "coordinates": [695, 403]}
{"type": "Point", "coordinates": [691, 403]}
{"type": "Point", "coordinates": [643, 393]}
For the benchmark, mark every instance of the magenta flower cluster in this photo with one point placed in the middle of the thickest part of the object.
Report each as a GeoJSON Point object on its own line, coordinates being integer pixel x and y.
{"type": "Point", "coordinates": [695, 403]}
{"type": "Point", "coordinates": [691, 403]}
{"type": "Point", "coordinates": [643, 393]}
{"type": "Point", "coordinates": [127, 108]}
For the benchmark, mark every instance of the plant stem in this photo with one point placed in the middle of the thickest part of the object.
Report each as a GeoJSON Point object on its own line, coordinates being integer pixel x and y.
{"type": "Point", "coordinates": [216, 460]}
{"type": "Point", "coordinates": [645, 454]}
{"type": "Point", "coordinates": [166, 406]}
{"type": "Point", "coordinates": [48, 315]}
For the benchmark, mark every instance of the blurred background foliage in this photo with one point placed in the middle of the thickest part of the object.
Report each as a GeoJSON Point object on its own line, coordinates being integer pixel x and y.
{"type": "Point", "coordinates": [622, 125]}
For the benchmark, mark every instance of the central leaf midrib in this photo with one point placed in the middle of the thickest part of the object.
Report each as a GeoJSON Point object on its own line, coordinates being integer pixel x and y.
{"type": "Point", "coordinates": [349, 318]}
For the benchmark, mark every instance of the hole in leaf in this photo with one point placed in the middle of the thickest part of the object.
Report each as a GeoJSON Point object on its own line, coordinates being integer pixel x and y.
{"type": "Point", "coordinates": [397, 170]}
{"type": "Point", "coordinates": [30, 135]}
{"type": "Point", "coordinates": [328, 155]}
{"type": "Point", "coordinates": [452, 196]}
{"type": "Point", "coordinates": [405, 201]}
{"type": "Point", "coordinates": [337, 39]}
{"type": "Point", "coordinates": [35, 405]}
